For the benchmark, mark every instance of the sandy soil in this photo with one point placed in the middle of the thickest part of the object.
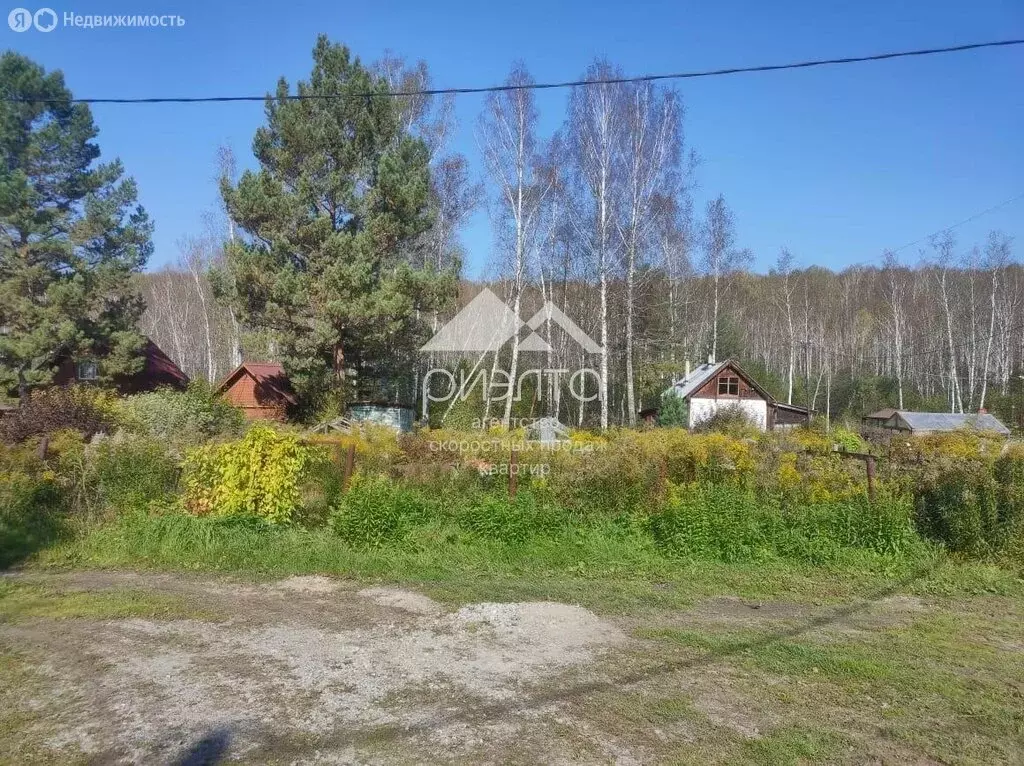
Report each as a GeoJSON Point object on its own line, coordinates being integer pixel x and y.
{"type": "Point", "coordinates": [306, 670]}
{"type": "Point", "coordinates": [313, 670]}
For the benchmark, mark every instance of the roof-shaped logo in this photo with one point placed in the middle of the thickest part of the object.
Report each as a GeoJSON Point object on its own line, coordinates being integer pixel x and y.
{"type": "Point", "coordinates": [487, 324]}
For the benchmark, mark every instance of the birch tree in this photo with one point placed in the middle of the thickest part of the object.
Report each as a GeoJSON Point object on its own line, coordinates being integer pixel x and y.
{"type": "Point", "coordinates": [721, 259]}
{"type": "Point", "coordinates": [594, 139]}
{"type": "Point", "coordinates": [897, 286]}
{"type": "Point", "coordinates": [507, 136]}
{"type": "Point", "coordinates": [652, 146]}
{"type": "Point", "coordinates": [784, 272]}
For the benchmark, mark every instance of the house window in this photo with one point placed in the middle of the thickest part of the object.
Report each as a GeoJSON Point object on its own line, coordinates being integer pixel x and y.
{"type": "Point", "coordinates": [728, 386]}
{"type": "Point", "coordinates": [87, 370]}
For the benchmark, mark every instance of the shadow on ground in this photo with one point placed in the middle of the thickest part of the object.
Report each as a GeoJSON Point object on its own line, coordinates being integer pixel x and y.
{"type": "Point", "coordinates": [210, 750]}
{"type": "Point", "coordinates": [25, 532]}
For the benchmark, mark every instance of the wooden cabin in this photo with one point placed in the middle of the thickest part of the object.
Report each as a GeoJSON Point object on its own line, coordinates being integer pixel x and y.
{"type": "Point", "coordinates": [158, 371]}
{"type": "Point", "coordinates": [260, 389]}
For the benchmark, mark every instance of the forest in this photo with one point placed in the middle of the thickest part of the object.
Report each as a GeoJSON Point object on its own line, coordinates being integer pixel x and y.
{"type": "Point", "coordinates": [600, 219]}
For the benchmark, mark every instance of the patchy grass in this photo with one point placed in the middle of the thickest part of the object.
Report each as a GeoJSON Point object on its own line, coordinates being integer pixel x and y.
{"type": "Point", "coordinates": [20, 742]}
{"type": "Point", "coordinates": [602, 567]}
{"type": "Point", "coordinates": [948, 687]}
{"type": "Point", "coordinates": [874, 679]}
{"type": "Point", "coordinates": [22, 601]}
{"type": "Point", "coordinates": [870, 659]}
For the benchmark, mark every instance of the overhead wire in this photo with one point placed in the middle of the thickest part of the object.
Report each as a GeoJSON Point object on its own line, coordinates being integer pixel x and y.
{"type": "Point", "coordinates": [537, 85]}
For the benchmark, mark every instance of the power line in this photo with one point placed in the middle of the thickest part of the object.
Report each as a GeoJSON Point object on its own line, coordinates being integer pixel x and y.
{"type": "Point", "coordinates": [992, 209]}
{"type": "Point", "coordinates": [872, 259]}
{"type": "Point", "coordinates": [536, 86]}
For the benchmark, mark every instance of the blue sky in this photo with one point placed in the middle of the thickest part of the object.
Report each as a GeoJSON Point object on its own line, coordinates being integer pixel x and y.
{"type": "Point", "coordinates": [835, 163]}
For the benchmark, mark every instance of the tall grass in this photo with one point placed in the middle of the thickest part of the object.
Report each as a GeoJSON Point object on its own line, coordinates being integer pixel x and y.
{"type": "Point", "coordinates": [381, 528]}
{"type": "Point", "coordinates": [716, 522]}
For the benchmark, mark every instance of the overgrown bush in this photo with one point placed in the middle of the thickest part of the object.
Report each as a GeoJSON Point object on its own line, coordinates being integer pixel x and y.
{"type": "Point", "coordinates": [732, 420]}
{"type": "Point", "coordinates": [130, 473]}
{"type": "Point", "coordinates": [32, 504]}
{"type": "Point", "coordinates": [498, 517]}
{"type": "Point", "coordinates": [376, 510]}
{"type": "Point", "coordinates": [972, 506]}
{"type": "Point", "coordinates": [259, 475]}
{"type": "Point", "coordinates": [79, 408]}
{"type": "Point", "coordinates": [184, 418]}
{"type": "Point", "coordinates": [111, 474]}
{"type": "Point", "coordinates": [716, 522]}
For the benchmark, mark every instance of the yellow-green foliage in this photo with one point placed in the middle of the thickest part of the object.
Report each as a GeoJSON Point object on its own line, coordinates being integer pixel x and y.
{"type": "Point", "coordinates": [258, 475]}
{"type": "Point", "coordinates": [953, 445]}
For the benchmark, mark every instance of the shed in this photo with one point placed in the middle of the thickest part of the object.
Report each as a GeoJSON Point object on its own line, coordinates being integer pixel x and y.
{"type": "Point", "coordinates": [260, 389]}
{"type": "Point", "coordinates": [158, 371]}
{"type": "Point", "coordinates": [935, 422]}
{"type": "Point", "coordinates": [877, 419]}
{"type": "Point", "coordinates": [717, 385]}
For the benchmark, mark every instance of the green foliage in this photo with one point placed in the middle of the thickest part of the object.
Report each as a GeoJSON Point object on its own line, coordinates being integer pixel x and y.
{"type": "Point", "coordinates": [258, 475]}
{"type": "Point", "coordinates": [181, 418]}
{"type": "Point", "coordinates": [707, 521]}
{"type": "Point", "coordinates": [498, 517]}
{"type": "Point", "coordinates": [73, 235]}
{"type": "Point", "coordinates": [78, 408]}
{"type": "Point", "coordinates": [330, 262]}
{"type": "Point", "coordinates": [375, 511]}
{"type": "Point", "coordinates": [31, 508]}
{"type": "Point", "coordinates": [129, 473]}
{"type": "Point", "coordinates": [973, 509]}
{"type": "Point", "coordinates": [733, 421]}
{"type": "Point", "coordinates": [847, 439]}
{"type": "Point", "coordinates": [674, 411]}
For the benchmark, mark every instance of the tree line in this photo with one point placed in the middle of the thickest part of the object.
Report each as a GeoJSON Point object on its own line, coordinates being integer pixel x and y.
{"type": "Point", "coordinates": [338, 254]}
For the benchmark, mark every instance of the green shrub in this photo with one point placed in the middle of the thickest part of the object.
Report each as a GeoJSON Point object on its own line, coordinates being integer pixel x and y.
{"type": "Point", "coordinates": [847, 439]}
{"type": "Point", "coordinates": [259, 475]}
{"type": "Point", "coordinates": [674, 411]}
{"type": "Point", "coordinates": [131, 473]}
{"type": "Point", "coordinates": [732, 420]}
{"type": "Point", "coordinates": [716, 522]}
{"type": "Point", "coordinates": [31, 513]}
{"type": "Point", "coordinates": [498, 517]}
{"type": "Point", "coordinates": [973, 507]}
{"type": "Point", "coordinates": [184, 418]}
{"type": "Point", "coordinates": [376, 511]}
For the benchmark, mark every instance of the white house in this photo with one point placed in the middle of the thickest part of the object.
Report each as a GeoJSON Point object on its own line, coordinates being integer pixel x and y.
{"type": "Point", "coordinates": [717, 385]}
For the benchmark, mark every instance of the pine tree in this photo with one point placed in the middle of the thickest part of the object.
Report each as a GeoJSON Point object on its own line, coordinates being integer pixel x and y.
{"type": "Point", "coordinates": [332, 224]}
{"type": "Point", "coordinates": [71, 236]}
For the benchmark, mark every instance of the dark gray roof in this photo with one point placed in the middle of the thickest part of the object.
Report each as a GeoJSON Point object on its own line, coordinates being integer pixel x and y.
{"type": "Point", "coordinates": [882, 414]}
{"type": "Point", "coordinates": [697, 378]}
{"type": "Point", "coordinates": [951, 421]}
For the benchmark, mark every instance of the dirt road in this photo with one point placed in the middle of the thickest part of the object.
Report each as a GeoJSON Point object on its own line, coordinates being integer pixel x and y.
{"type": "Point", "coordinates": [126, 668]}
{"type": "Point", "coordinates": [305, 670]}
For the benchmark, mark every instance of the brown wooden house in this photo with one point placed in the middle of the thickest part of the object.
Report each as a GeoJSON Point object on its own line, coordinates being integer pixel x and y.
{"type": "Point", "coordinates": [158, 371]}
{"type": "Point", "coordinates": [260, 389]}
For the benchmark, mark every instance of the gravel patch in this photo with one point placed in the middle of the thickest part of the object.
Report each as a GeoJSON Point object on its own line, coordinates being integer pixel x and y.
{"type": "Point", "coordinates": [140, 691]}
{"type": "Point", "coordinates": [406, 600]}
